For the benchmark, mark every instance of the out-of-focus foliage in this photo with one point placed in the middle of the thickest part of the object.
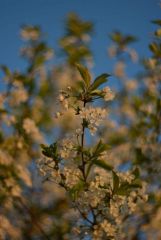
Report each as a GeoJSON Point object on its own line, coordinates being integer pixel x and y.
{"type": "Point", "coordinates": [75, 43]}
{"type": "Point", "coordinates": [28, 210]}
{"type": "Point", "coordinates": [96, 190]}
{"type": "Point", "coordinates": [137, 128]}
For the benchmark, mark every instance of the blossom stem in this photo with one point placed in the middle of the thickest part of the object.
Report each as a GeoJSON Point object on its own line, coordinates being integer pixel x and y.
{"type": "Point", "coordinates": [94, 216]}
{"type": "Point", "coordinates": [34, 219]}
{"type": "Point", "coordinates": [83, 215]}
{"type": "Point", "coordinates": [82, 147]}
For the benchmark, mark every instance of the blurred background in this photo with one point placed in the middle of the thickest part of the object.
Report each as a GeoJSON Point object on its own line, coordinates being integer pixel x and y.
{"type": "Point", "coordinates": [40, 43]}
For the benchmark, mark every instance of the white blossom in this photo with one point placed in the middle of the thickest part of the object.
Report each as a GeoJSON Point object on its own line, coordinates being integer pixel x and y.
{"type": "Point", "coordinates": [63, 101]}
{"type": "Point", "coordinates": [67, 148]}
{"type": "Point", "coordinates": [5, 158]}
{"type": "Point", "coordinates": [72, 176]}
{"type": "Point", "coordinates": [18, 94]}
{"type": "Point", "coordinates": [119, 70]}
{"type": "Point", "coordinates": [108, 94]}
{"type": "Point", "coordinates": [93, 116]}
{"type": "Point", "coordinates": [31, 129]}
{"type": "Point", "coordinates": [108, 228]}
{"type": "Point", "coordinates": [30, 33]}
{"type": "Point", "coordinates": [112, 51]}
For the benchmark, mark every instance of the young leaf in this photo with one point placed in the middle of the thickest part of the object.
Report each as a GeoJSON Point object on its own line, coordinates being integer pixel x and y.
{"type": "Point", "coordinates": [136, 184]}
{"type": "Point", "coordinates": [50, 151]}
{"type": "Point", "coordinates": [123, 189]}
{"type": "Point", "coordinates": [115, 182]}
{"type": "Point", "coordinates": [103, 165]}
{"type": "Point", "coordinates": [5, 70]}
{"type": "Point", "coordinates": [136, 172]}
{"type": "Point", "coordinates": [84, 73]}
{"type": "Point", "coordinates": [74, 191]}
{"type": "Point", "coordinates": [116, 37]}
{"type": "Point", "coordinates": [155, 48]}
{"type": "Point", "coordinates": [158, 22]}
{"type": "Point", "coordinates": [80, 86]}
{"type": "Point", "coordinates": [99, 81]}
{"type": "Point", "coordinates": [100, 147]}
{"type": "Point", "coordinates": [96, 92]}
{"type": "Point", "coordinates": [140, 157]}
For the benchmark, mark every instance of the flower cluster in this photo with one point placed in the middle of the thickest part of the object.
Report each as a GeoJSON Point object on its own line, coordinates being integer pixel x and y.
{"type": "Point", "coordinates": [6, 226]}
{"type": "Point", "coordinates": [102, 195]}
{"type": "Point", "coordinates": [108, 94]}
{"type": "Point", "coordinates": [67, 148]}
{"type": "Point", "coordinates": [30, 33]}
{"type": "Point", "coordinates": [93, 117]}
{"type": "Point", "coordinates": [19, 94]}
{"type": "Point", "coordinates": [104, 230]}
{"type": "Point", "coordinates": [30, 128]}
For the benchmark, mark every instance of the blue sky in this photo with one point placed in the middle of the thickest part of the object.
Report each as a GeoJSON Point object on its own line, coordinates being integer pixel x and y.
{"type": "Point", "coordinates": [129, 16]}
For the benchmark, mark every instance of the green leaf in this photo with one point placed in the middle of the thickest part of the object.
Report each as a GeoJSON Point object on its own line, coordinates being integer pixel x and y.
{"type": "Point", "coordinates": [96, 92]}
{"type": "Point", "coordinates": [103, 164]}
{"type": "Point", "coordinates": [100, 147]}
{"type": "Point", "coordinates": [136, 184]}
{"type": "Point", "coordinates": [99, 81]}
{"type": "Point", "coordinates": [50, 151]}
{"type": "Point", "coordinates": [115, 182]}
{"type": "Point", "coordinates": [140, 157]}
{"type": "Point", "coordinates": [158, 22]}
{"type": "Point", "coordinates": [74, 191]}
{"type": "Point", "coordinates": [5, 70]}
{"type": "Point", "coordinates": [123, 189]}
{"type": "Point", "coordinates": [155, 48]}
{"type": "Point", "coordinates": [84, 74]}
{"type": "Point", "coordinates": [129, 39]}
{"type": "Point", "coordinates": [116, 37]}
{"type": "Point", "coordinates": [89, 168]}
{"type": "Point", "coordinates": [39, 61]}
{"type": "Point", "coordinates": [121, 39]}
{"type": "Point", "coordinates": [136, 172]}
{"type": "Point", "coordinates": [80, 86]}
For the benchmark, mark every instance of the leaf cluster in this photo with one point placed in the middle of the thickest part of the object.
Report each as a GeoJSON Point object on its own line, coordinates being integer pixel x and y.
{"type": "Point", "coordinates": [88, 90]}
